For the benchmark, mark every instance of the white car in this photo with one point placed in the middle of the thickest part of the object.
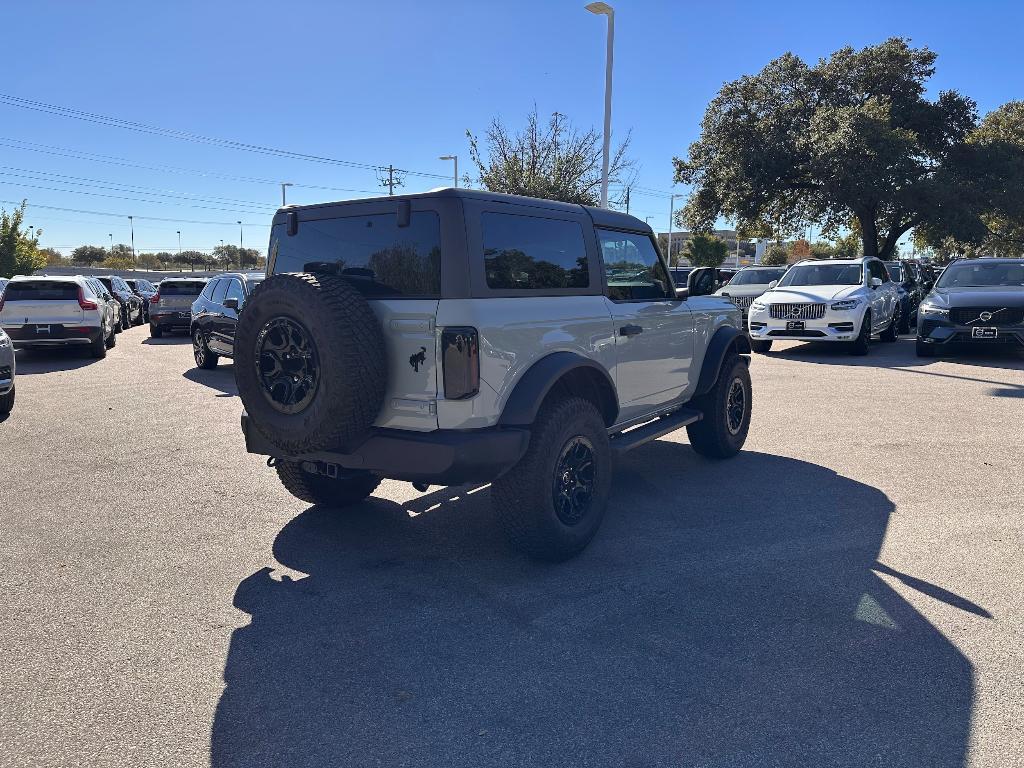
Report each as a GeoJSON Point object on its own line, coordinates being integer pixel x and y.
{"type": "Point", "coordinates": [6, 372]}
{"type": "Point", "coordinates": [749, 283]}
{"type": "Point", "coordinates": [56, 312]}
{"type": "Point", "coordinates": [837, 300]}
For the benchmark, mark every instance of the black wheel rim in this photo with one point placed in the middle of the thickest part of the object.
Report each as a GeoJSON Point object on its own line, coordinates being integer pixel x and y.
{"type": "Point", "coordinates": [287, 365]}
{"type": "Point", "coordinates": [735, 406]}
{"type": "Point", "coordinates": [575, 475]}
{"type": "Point", "coordinates": [199, 348]}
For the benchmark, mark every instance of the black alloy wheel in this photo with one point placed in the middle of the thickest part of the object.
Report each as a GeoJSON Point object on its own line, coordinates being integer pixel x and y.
{"type": "Point", "coordinates": [573, 486]}
{"type": "Point", "coordinates": [735, 406]}
{"type": "Point", "coordinates": [287, 364]}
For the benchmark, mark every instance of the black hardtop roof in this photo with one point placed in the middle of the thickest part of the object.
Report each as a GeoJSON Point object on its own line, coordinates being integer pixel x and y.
{"type": "Point", "coordinates": [601, 217]}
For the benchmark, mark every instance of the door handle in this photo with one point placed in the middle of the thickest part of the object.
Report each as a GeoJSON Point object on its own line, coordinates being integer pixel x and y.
{"type": "Point", "coordinates": [630, 330]}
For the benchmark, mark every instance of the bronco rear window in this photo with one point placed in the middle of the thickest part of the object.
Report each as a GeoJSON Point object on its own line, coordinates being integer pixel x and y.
{"type": "Point", "coordinates": [379, 257]}
{"type": "Point", "coordinates": [41, 290]}
{"type": "Point", "coordinates": [181, 288]}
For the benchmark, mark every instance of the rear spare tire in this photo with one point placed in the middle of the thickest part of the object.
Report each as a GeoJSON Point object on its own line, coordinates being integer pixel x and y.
{"type": "Point", "coordinates": [310, 362]}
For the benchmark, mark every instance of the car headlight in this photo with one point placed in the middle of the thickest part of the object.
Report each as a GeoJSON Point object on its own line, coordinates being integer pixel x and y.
{"type": "Point", "coordinates": [932, 309]}
{"type": "Point", "coordinates": [846, 304]}
{"type": "Point", "coordinates": [5, 340]}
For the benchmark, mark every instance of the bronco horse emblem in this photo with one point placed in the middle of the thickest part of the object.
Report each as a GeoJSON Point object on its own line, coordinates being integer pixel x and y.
{"type": "Point", "coordinates": [416, 360]}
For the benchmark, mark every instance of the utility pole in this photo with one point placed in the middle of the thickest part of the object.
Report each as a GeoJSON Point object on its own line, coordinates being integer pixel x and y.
{"type": "Point", "coordinates": [627, 199]}
{"type": "Point", "coordinates": [284, 186]}
{"type": "Point", "coordinates": [131, 223]}
{"type": "Point", "coordinates": [241, 245]}
{"type": "Point", "coordinates": [392, 182]}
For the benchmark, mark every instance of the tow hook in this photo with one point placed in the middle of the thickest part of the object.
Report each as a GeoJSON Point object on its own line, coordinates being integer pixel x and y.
{"type": "Point", "coordinates": [321, 468]}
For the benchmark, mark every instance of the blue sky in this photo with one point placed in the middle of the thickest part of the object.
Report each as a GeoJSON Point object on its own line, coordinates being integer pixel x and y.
{"type": "Point", "coordinates": [394, 82]}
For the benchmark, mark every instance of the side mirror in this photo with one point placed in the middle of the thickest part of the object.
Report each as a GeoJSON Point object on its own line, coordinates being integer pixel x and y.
{"type": "Point", "coordinates": [876, 282]}
{"type": "Point", "coordinates": [231, 304]}
{"type": "Point", "coordinates": [772, 284]}
{"type": "Point", "coordinates": [701, 282]}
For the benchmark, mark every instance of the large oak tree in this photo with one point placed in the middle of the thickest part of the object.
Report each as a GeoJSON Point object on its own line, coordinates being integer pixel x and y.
{"type": "Point", "coordinates": [850, 143]}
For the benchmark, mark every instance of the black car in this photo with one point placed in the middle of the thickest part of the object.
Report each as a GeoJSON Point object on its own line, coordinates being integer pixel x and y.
{"type": "Point", "coordinates": [911, 291]}
{"type": "Point", "coordinates": [977, 302]}
{"type": "Point", "coordinates": [132, 311]}
{"type": "Point", "coordinates": [215, 316]}
{"type": "Point", "coordinates": [145, 290]}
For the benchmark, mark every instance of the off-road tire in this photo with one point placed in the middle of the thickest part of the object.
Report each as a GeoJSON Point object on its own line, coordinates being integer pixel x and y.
{"type": "Point", "coordinates": [351, 362]}
{"type": "Point", "coordinates": [892, 332]}
{"type": "Point", "coordinates": [325, 491]}
{"type": "Point", "coordinates": [859, 346]}
{"type": "Point", "coordinates": [7, 402]}
{"type": "Point", "coordinates": [924, 350]}
{"type": "Point", "coordinates": [714, 436]}
{"type": "Point", "coordinates": [524, 497]}
{"type": "Point", "coordinates": [98, 348]}
{"type": "Point", "coordinates": [761, 347]}
{"type": "Point", "coordinates": [155, 331]}
{"type": "Point", "coordinates": [201, 351]}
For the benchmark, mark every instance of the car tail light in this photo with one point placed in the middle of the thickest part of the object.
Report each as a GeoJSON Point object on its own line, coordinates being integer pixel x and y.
{"type": "Point", "coordinates": [460, 356]}
{"type": "Point", "coordinates": [83, 302]}
{"type": "Point", "coordinates": [155, 298]}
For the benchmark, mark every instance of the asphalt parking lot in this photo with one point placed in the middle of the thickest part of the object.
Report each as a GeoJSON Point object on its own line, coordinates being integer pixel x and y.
{"type": "Point", "coordinates": [847, 591]}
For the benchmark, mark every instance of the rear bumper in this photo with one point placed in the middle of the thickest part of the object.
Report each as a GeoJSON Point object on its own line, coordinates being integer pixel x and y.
{"type": "Point", "coordinates": [57, 336]}
{"type": "Point", "coordinates": [441, 457]}
{"type": "Point", "coordinates": [170, 318]}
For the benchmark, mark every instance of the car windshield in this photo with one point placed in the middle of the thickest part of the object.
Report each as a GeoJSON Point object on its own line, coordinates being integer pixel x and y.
{"type": "Point", "coordinates": [823, 274]}
{"type": "Point", "coordinates": [41, 290]}
{"type": "Point", "coordinates": [895, 272]}
{"type": "Point", "coordinates": [757, 276]}
{"type": "Point", "coordinates": [182, 288]}
{"type": "Point", "coordinates": [981, 274]}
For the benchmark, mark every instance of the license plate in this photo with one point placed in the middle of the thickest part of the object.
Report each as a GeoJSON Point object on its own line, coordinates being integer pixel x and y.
{"type": "Point", "coordinates": [42, 329]}
{"type": "Point", "coordinates": [795, 325]}
{"type": "Point", "coordinates": [985, 333]}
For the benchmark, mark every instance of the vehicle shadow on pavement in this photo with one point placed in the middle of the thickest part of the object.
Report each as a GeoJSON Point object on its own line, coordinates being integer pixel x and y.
{"type": "Point", "coordinates": [168, 340]}
{"type": "Point", "coordinates": [221, 378]}
{"type": "Point", "coordinates": [33, 361]}
{"type": "Point", "coordinates": [899, 354]}
{"type": "Point", "coordinates": [727, 614]}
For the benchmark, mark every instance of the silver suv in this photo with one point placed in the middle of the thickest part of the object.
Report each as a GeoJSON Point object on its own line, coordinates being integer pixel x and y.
{"type": "Point", "coordinates": [462, 336]}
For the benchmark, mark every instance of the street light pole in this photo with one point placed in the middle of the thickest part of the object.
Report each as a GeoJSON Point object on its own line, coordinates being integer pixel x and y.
{"type": "Point", "coordinates": [456, 159]}
{"type": "Point", "coordinates": [241, 245]}
{"type": "Point", "coordinates": [603, 9]}
{"type": "Point", "coordinates": [111, 236]}
{"type": "Point", "coordinates": [131, 223]}
{"type": "Point", "coordinates": [285, 184]}
{"type": "Point", "coordinates": [671, 215]}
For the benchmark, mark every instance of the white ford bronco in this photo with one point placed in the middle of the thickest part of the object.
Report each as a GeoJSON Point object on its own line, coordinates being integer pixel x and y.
{"type": "Point", "coordinates": [460, 336]}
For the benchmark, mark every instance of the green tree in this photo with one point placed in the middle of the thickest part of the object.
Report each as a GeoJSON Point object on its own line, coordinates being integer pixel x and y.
{"type": "Point", "coordinates": [192, 259]}
{"type": "Point", "coordinates": [87, 255]}
{"type": "Point", "coordinates": [775, 256]}
{"type": "Point", "coordinates": [706, 250]}
{"type": "Point", "coordinates": [117, 262]}
{"type": "Point", "coordinates": [149, 261]}
{"type": "Point", "coordinates": [52, 256]}
{"type": "Point", "coordinates": [851, 137]}
{"type": "Point", "coordinates": [11, 237]}
{"type": "Point", "coordinates": [233, 257]}
{"type": "Point", "coordinates": [553, 161]}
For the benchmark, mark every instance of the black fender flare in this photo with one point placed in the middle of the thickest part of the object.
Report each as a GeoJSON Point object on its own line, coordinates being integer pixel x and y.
{"type": "Point", "coordinates": [725, 341]}
{"type": "Point", "coordinates": [533, 386]}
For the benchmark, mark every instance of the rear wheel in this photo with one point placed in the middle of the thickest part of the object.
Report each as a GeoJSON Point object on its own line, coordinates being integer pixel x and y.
{"type": "Point", "coordinates": [323, 490]}
{"type": "Point", "coordinates": [859, 346]}
{"type": "Point", "coordinates": [111, 339]}
{"type": "Point", "coordinates": [553, 501]}
{"type": "Point", "coordinates": [155, 331]}
{"type": "Point", "coordinates": [98, 348]}
{"type": "Point", "coordinates": [126, 318]}
{"type": "Point", "coordinates": [204, 357]}
{"type": "Point", "coordinates": [761, 347]}
{"type": "Point", "coordinates": [7, 402]}
{"type": "Point", "coordinates": [726, 408]}
{"type": "Point", "coordinates": [891, 333]}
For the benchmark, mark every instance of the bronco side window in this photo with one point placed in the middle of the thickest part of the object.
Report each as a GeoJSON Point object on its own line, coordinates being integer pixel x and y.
{"type": "Point", "coordinates": [531, 253]}
{"type": "Point", "coordinates": [632, 269]}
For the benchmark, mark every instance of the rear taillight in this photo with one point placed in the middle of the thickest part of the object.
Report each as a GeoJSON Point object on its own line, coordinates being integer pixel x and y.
{"type": "Point", "coordinates": [460, 355]}
{"type": "Point", "coordinates": [155, 298]}
{"type": "Point", "coordinates": [83, 302]}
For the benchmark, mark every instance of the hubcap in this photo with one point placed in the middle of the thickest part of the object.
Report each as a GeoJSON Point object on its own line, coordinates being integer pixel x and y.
{"type": "Point", "coordinates": [287, 364]}
{"type": "Point", "coordinates": [573, 488]}
{"type": "Point", "coordinates": [735, 406]}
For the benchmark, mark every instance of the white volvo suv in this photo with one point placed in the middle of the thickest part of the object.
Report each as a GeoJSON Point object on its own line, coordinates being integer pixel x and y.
{"type": "Point", "coordinates": [845, 300]}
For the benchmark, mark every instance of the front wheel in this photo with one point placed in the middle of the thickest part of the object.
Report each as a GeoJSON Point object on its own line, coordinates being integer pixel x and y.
{"type": "Point", "coordinates": [126, 318]}
{"type": "Point", "coordinates": [204, 357]}
{"type": "Point", "coordinates": [553, 501]}
{"type": "Point", "coordinates": [726, 408]}
{"type": "Point", "coordinates": [7, 402]}
{"type": "Point", "coordinates": [761, 347]}
{"type": "Point", "coordinates": [892, 332]}
{"type": "Point", "coordinates": [859, 346]}
{"type": "Point", "coordinates": [323, 490]}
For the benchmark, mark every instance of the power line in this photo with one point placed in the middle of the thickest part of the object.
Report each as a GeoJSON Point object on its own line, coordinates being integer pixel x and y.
{"type": "Point", "coordinates": [76, 154]}
{"type": "Point", "coordinates": [129, 125]}
{"type": "Point", "coordinates": [125, 215]}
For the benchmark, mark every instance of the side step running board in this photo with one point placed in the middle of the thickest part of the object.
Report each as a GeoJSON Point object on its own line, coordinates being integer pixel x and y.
{"type": "Point", "coordinates": [652, 430]}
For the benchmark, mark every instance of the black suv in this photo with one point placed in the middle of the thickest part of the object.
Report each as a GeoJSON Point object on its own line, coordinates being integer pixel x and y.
{"type": "Point", "coordinates": [215, 316]}
{"type": "Point", "coordinates": [910, 289]}
{"type": "Point", "coordinates": [132, 310]}
{"type": "Point", "coordinates": [975, 301]}
{"type": "Point", "coordinates": [145, 290]}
